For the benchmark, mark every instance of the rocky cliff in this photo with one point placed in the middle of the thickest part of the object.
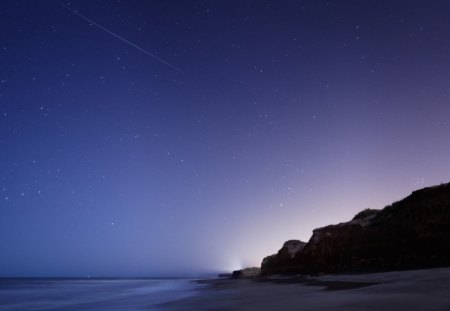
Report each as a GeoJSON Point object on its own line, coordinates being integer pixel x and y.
{"type": "Point", "coordinates": [284, 261]}
{"type": "Point", "coordinates": [252, 272]}
{"type": "Point", "coordinates": [411, 233]}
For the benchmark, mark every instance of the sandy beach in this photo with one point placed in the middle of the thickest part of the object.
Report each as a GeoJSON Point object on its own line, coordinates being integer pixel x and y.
{"type": "Point", "coordinates": [401, 290]}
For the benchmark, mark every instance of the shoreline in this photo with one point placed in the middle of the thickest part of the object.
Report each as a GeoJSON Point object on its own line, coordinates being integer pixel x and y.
{"type": "Point", "coordinates": [427, 289]}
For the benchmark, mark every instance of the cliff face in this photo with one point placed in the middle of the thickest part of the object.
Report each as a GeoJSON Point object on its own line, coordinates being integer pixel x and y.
{"type": "Point", "coordinates": [283, 261]}
{"type": "Point", "coordinates": [246, 273]}
{"type": "Point", "coordinates": [411, 233]}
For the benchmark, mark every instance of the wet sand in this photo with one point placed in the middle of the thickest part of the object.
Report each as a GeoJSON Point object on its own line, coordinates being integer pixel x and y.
{"type": "Point", "coordinates": [401, 290]}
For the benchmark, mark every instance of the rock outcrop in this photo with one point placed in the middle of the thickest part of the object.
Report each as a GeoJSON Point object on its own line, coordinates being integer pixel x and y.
{"type": "Point", "coordinates": [411, 233]}
{"type": "Point", "coordinates": [247, 273]}
{"type": "Point", "coordinates": [283, 261]}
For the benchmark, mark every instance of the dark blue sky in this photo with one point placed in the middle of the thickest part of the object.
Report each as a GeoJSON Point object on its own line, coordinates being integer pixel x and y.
{"type": "Point", "coordinates": [283, 116]}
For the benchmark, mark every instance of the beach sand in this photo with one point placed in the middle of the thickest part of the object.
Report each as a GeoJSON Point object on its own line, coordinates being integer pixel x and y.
{"type": "Point", "coordinates": [401, 290]}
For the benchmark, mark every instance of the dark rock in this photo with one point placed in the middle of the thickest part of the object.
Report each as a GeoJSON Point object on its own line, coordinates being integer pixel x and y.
{"type": "Point", "coordinates": [283, 261]}
{"type": "Point", "coordinates": [366, 214]}
{"type": "Point", "coordinates": [411, 233]}
{"type": "Point", "coordinates": [236, 273]}
{"type": "Point", "coordinates": [247, 273]}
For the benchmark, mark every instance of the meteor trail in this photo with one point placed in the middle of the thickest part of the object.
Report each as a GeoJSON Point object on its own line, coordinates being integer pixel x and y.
{"type": "Point", "coordinates": [116, 35]}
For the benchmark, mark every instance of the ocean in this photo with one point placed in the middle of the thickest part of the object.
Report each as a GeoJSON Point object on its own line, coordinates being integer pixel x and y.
{"type": "Point", "coordinates": [92, 294]}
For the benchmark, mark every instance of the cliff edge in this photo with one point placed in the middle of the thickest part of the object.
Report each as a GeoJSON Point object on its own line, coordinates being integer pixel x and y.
{"type": "Point", "coordinates": [411, 233]}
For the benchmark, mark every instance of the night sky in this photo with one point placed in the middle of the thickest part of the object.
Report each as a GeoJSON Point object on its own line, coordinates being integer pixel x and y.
{"type": "Point", "coordinates": [144, 138]}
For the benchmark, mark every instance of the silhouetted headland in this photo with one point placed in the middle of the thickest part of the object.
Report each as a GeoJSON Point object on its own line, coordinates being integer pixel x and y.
{"type": "Point", "coordinates": [409, 234]}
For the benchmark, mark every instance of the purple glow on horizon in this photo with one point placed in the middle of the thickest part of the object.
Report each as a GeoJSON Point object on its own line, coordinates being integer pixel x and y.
{"type": "Point", "coordinates": [283, 117]}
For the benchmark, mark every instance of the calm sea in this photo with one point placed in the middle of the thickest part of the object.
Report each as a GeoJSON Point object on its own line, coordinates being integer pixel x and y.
{"type": "Point", "coordinates": [92, 294]}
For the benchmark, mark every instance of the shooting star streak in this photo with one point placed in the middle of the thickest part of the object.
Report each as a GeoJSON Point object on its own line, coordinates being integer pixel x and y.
{"type": "Point", "coordinates": [116, 35]}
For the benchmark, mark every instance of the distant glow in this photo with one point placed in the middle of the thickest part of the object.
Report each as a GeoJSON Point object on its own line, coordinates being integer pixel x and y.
{"type": "Point", "coordinates": [232, 266]}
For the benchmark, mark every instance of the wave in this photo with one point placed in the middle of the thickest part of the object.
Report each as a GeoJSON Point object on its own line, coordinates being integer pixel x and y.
{"type": "Point", "coordinates": [92, 294]}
